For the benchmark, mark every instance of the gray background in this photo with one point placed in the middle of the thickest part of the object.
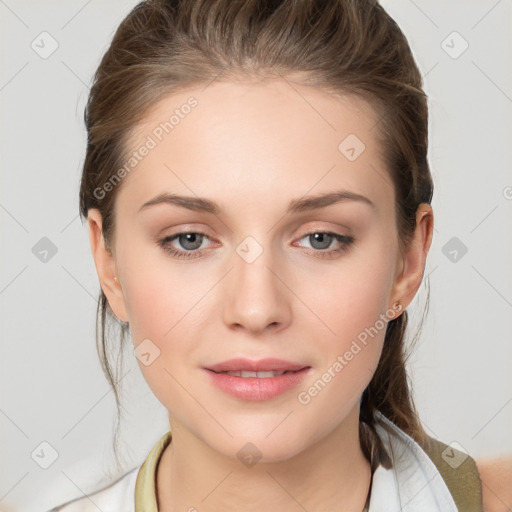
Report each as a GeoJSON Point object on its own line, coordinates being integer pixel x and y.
{"type": "Point", "coordinates": [53, 388]}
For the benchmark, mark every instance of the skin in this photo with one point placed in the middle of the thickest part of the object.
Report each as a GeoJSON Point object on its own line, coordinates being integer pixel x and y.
{"type": "Point", "coordinates": [496, 476]}
{"type": "Point", "coordinates": [252, 148]}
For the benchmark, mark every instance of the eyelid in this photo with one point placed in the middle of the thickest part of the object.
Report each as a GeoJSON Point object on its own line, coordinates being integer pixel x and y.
{"type": "Point", "coordinates": [303, 231]}
{"type": "Point", "coordinates": [183, 228]}
{"type": "Point", "coordinates": [323, 228]}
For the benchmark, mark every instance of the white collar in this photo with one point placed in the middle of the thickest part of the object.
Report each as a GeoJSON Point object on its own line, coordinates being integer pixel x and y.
{"type": "Point", "coordinates": [413, 483]}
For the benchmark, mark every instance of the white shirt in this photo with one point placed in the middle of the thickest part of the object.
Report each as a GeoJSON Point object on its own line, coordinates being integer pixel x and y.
{"type": "Point", "coordinates": [413, 483]}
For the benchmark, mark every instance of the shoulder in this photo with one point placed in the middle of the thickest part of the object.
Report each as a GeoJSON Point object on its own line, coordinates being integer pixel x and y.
{"type": "Point", "coordinates": [115, 496]}
{"type": "Point", "coordinates": [496, 476]}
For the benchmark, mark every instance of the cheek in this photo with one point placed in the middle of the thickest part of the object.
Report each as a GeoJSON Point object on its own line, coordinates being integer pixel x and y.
{"type": "Point", "coordinates": [349, 357]}
{"type": "Point", "coordinates": [158, 294]}
{"type": "Point", "coordinates": [350, 298]}
{"type": "Point", "coordinates": [151, 306]}
{"type": "Point", "coordinates": [352, 315]}
{"type": "Point", "coordinates": [163, 302]}
{"type": "Point", "coordinates": [157, 307]}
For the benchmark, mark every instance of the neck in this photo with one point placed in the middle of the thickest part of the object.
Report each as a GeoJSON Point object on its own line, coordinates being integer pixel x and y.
{"type": "Point", "coordinates": [333, 474]}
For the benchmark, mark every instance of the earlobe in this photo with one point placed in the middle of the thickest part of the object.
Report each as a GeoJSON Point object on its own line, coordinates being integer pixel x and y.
{"type": "Point", "coordinates": [105, 266]}
{"type": "Point", "coordinates": [413, 261]}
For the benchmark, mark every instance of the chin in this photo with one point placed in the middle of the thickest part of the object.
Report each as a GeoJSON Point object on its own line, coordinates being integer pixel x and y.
{"type": "Point", "coordinates": [267, 444]}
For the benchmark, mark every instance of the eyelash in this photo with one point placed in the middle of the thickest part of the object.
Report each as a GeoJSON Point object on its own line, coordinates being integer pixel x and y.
{"type": "Point", "coordinates": [344, 240]}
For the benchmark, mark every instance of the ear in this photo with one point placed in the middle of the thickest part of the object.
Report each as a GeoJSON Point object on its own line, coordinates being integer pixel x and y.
{"type": "Point", "coordinates": [104, 261]}
{"type": "Point", "coordinates": [412, 263]}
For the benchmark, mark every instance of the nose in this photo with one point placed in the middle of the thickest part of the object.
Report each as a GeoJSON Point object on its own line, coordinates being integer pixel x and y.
{"type": "Point", "coordinates": [257, 298]}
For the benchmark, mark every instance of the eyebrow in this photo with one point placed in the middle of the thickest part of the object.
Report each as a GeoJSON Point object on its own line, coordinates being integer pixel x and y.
{"type": "Point", "coordinates": [295, 206]}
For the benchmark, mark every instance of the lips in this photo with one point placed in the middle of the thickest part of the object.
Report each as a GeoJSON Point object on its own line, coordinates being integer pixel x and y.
{"type": "Point", "coordinates": [260, 375]}
{"type": "Point", "coordinates": [247, 367]}
{"type": "Point", "coordinates": [260, 385]}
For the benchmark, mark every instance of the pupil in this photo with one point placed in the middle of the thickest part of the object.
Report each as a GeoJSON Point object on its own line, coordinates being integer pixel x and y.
{"type": "Point", "coordinates": [319, 237]}
{"type": "Point", "coordinates": [195, 243]}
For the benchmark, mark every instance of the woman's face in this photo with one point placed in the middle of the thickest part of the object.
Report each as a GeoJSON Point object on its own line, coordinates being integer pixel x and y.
{"type": "Point", "coordinates": [252, 280]}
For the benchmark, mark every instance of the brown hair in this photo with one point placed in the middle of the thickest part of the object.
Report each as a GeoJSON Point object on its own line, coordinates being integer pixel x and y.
{"type": "Point", "coordinates": [340, 46]}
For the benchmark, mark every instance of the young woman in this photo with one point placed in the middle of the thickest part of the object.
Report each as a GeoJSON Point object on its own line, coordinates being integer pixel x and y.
{"type": "Point", "coordinates": [258, 195]}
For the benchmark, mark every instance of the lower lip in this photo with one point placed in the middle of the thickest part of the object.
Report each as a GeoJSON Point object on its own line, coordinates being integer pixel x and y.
{"type": "Point", "coordinates": [257, 389]}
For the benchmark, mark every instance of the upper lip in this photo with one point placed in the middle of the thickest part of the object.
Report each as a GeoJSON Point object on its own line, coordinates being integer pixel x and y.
{"type": "Point", "coordinates": [262, 365]}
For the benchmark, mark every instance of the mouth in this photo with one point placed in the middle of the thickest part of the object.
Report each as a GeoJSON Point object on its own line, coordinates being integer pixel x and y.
{"type": "Point", "coordinates": [260, 375]}
{"type": "Point", "coordinates": [263, 368]}
{"type": "Point", "coordinates": [260, 383]}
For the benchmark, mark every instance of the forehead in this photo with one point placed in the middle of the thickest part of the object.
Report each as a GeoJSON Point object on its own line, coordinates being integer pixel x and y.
{"type": "Point", "coordinates": [243, 142]}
